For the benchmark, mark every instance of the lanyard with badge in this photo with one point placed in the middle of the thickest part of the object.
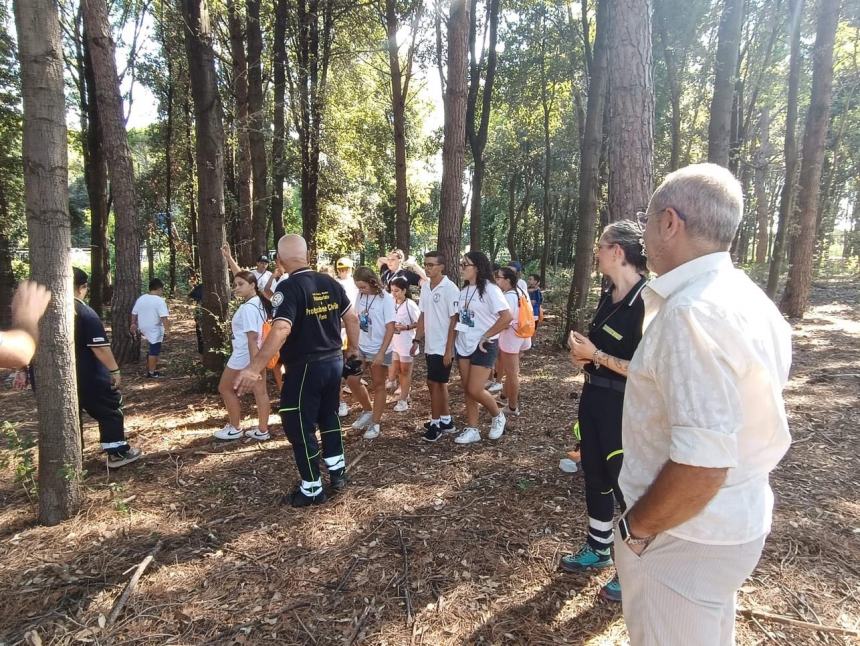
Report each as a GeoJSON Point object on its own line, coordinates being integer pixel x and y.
{"type": "Point", "coordinates": [364, 317]}
{"type": "Point", "coordinates": [603, 324]}
{"type": "Point", "coordinates": [467, 319]}
{"type": "Point", "coordinates": [397, 311]}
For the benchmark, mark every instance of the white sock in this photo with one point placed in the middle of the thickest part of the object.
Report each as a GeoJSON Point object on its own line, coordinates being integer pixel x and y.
{"type": "Point", "coordinates": [311, 489]}
{"type": "Point", "coordinates": [445, 419]}
{"type": "Point", "coordinates": [435, 421]}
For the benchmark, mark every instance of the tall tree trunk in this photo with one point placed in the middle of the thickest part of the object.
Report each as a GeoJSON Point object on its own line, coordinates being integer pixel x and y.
{"type": "Point", "coordinates": [210, 176]}
{"type": "Point", "coordinates": [762, 211]}
{"type": "Point", "coordinates": [453, 146]}
{"type": "Point", "coordinates": [279, 76]}
{"type": "Point", "coordinates": [398, 110]}
{"type": "Point", "coordinates": [257, 120]}
{"type": "Point", "coordinates": [126, 347]}
{"type": "Point", "coordinates": [96, 179]}
{"type": "Point", "coordinates": [190, 192]}
{"type": "Point", "coordinates": [589, 177]}
{"type": "Point", "coordinates": [168, 181]}
{"type": "Point", "coordinates": [546, 106]}
{"type": "Point", "coordinates": [631, 107]}
{"type": "Point", "coordinates": [725, 69]}
{"type": "Point", "coordinates": [796, 296]}
{"type": "Point", "coordinates": [7, 277]}
{"type": "Point", "coordinates": [478, 136]}
{"type": "Point", "coordinates": [786, 201]}
{"type": "Point", "coordinates": [245, 239]}
{"type": "Point", "coordinates": [49, 229]}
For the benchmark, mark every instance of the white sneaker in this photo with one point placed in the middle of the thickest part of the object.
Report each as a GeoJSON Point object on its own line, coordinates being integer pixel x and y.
{"type": "Point", "coordinates": [497, 427]}
{"type": "Point", "coordinates": [364, 420]}
{"type": "Point", "coordinates": [468, 436]}
{"type": "Point", "coordinates": [229, 432]}
{"type": "Point", "coordinates": [372, 432]}
{"type": "Point", "coordinates": [343, 409]}
{"type": "Point", "coordinates": [401, 406]}
{"type": "Point", "coordinates": [256, 434]}
{"type": "Point", "coordinates": [495, 387]}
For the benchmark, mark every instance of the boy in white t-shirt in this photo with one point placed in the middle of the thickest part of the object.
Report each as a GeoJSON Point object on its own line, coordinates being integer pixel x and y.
{"type": "Point", "coordinates": [149, 316]}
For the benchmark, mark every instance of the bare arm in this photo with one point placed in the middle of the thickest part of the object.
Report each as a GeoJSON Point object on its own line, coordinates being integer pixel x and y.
{"type": "Point", "coordinates": [133, 327]}
{"type": "Point", "coordinates": [583, 351]}
{"type": "Point", "coordinates": [386, 341]}
{"type": "Point", "coordinates": [449, 344]}
{"type": "Point", "coordinates": [679, 492]}
{"type": "Point", "coordinates": [252, 344]}
{"type": "Point", "coordinates": [225, 251]}
{"type": "Point", "coordinates": [165, 321]}
{"type": "Point", "coordinates": [105, 355]}
{"type": "Point", "coordinates": [245, 380]}
{"type": "Point", "coordinates": [16, 348]}
{"type": "Point", "coordinates": [503, 322]}
{"type": "Point", "coordinates": [350, 322]}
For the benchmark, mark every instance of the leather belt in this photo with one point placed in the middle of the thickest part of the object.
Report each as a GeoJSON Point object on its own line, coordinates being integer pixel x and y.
{"type": "Point", "coordinates": [601, 382]}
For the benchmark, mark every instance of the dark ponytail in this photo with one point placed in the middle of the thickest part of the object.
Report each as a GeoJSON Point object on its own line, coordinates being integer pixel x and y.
{"type": "Point", "coordinates": [250, 278]}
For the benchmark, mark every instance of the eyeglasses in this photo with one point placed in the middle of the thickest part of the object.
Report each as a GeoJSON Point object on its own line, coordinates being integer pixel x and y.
{"type": "Point", "coordinates": [642, 217]}
{"type": "Point", "coordinates": [432, 264]}
{"type": "Point", "coordinates": [466, 264]}
{"type": "Point", "coordinates": [603, 245]}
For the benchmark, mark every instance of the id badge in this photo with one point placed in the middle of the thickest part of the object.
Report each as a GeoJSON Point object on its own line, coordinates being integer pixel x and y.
{"type": "Point", "coordinates": [364, 322]}
{"type": "Point", "coordinates": [466, 318]}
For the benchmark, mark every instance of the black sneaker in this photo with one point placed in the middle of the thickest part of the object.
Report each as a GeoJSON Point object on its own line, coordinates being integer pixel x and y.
{"type": "Point", "coordinates": [447, 427]}
{"type": "Point", "coordinates": [298, 499]}
{"type": "Point", "coordinates": [433, 434]}
{"type": "Point", "coordinates": [337, 480]}
{"type": "Point", "coordinates": [121, 458]}
{"type": "Point", "coordinates": [153, 375]}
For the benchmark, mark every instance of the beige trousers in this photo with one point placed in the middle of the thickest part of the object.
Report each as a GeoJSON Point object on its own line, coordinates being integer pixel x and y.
{"type": "Point", "coordinates": [683, 593]}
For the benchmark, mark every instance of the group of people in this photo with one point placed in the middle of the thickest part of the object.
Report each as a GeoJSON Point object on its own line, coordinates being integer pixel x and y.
{"type": "Point", "coordinates": [681, 417]}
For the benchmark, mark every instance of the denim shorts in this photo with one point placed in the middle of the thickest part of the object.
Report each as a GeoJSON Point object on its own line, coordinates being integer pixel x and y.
{"type": "Point", "coordinates": [368, 358]}
{"type": "Point", "coordinates": [483, 359]}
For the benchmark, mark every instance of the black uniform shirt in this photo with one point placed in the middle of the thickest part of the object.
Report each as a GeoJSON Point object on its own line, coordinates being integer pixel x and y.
{"type": "Point", "coordinates": [616, 328]}
{"type": "Point", "coordinates": [314, 304]}
{"type": "Point", "coordinates": [387, 275]}
{"type": "Point", "coordinates": [89, 333]}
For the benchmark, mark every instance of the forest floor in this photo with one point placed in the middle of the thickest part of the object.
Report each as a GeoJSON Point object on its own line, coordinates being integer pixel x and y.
{"type": "Point", "coordinates": [430, 544]}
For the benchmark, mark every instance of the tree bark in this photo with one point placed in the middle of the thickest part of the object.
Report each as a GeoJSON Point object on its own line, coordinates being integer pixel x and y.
{"type": "Point", "coordinates": [126, 347]}
{"type": "Point", "coordinates": [589, 177]}
{"type": "Point", "coordinates": [257, 123]}
{"type": "Point", "coordinates": [168, 181]}
{"type": "Point", "coordinates": [631, 108]}
{"type": "Point", "coordinates": [796, 296]}
{"type": "Point", "coordinates": [49, 229]}
{"type": "Point", "coordinates": [786, 201]}
{"type": "Point", "coordinates": [245, 235]}
{"type": "Point", "coordinates": [279, 75]}
{"type": "Point", "coordinates": [453, 146]}
{"type": "Point", "coordinates": [7, 277]}
{"type": "Point", "coordinates": [760, 162]}
{"type": "Point", "coordinates": [209, 151]}
{"type": "Point", "coordinates": [478, 136]}
{"type": "Point", "coordinates": [725, 69]}
{"type": "Point", "coordinates": [546, 106]}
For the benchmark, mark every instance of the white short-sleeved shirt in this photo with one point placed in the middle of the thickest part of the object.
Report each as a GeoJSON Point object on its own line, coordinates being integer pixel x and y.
{"type": "Point", "coordinates": [704, 388]}
{"type": "Point", "coordinates": [522, 286]}
{"type": "Point", "coordinates": [438, 304]}
{"type": "Point", "coordinates": [374, 313]}
{"type": "Point", "coordinates": [350, 288]}
{"type": "Point", "coordinates": [149, 310]}
{"type": "Point", "coordinates": [406, 313]}
{"type": "Point", "coordinates": [477, 315]}
{"type": "Point", "coordinates": [262, 278]}
{"type": "Point", "coordinates": [249, 317]}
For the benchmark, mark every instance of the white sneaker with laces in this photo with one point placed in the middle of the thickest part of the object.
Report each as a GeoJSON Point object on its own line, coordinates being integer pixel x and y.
{"type": "Point", "coordinates": [494, 387]}
{"type": "Point", "coordinates": [364, 420]}
{"type": "Point", "coordinates": [497, 427]}
{"type": "Point", "coordinates": [468, 436]}
{"type": "Point", "coordinates": [372, 432]}
{"type": "Point", "coordinates": [343, 409]}
{"type": "Point", "coordinates": [401, 406]}
{"type": "Point", "coordinates": [229, 432]}
{"type": "Point", "coordinates": [256, 434]}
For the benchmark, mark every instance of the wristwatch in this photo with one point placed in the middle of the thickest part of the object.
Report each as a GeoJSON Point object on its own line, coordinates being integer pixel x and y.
{"type": "Point", "coordinates": [628, 537]}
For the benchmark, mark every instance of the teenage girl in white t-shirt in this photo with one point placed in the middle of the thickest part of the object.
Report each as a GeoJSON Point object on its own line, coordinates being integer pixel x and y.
{"type": "Point", "coordinates": [376, 320]}
{"type": "Point", "coordinates": [406, 315]}
{"type": "Point", "coordinates": [247, 326]}
{"type": "Point", "coordinates": [483, 313]}
{"type": "Point", "coordinates": [510, 345]}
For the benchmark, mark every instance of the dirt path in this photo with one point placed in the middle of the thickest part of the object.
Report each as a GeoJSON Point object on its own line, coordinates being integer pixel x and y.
{"type": "Point", "coordinates": [431, 544]}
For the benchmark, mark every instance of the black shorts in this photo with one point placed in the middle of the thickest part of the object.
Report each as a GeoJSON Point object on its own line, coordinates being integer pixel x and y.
{"type": "Point", "coordinates": [484, 359]}
{"type": "Point", "coordinates": [437, 371]}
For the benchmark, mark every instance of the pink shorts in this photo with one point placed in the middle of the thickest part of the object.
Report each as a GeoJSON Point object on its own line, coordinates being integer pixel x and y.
{"type": "Point", "coordinates": [510, 343]}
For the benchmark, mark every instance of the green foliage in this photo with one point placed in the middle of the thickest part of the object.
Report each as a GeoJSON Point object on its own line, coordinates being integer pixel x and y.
{"type": "Point", "coordinates": [20, 456]}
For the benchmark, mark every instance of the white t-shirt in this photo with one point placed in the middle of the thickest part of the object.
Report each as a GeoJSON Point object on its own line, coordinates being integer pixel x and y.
{"type": "Point", "coordinates": [523, 285]}
{"type": "Point", "coordinates": [249, 317]}
{"type": "Point", "coordinates": [374, 313]}
{"type": "Point", "coordinates": [262, 278]}
{"type": "Point", "coordinates": [438, 305]}
{"type": "Point", "coordinates": [350, 288]}
{"type": "Point", "coordinates": [149, 310]}
{"type": "Point", "coordinates": [477, 315]}
{"type": "Point", "coordinates": [406, 313]}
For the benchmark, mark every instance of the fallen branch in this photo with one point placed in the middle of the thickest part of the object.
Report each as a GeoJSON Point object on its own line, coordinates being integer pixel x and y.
{"type": "Point", "coordinates": [407, 595]}
{"type": "Point", "coordinates": [351, 465]}
{"type": "Point", "coordinates": [358, 626]}
{"type": "Point", "coordinates": [119, 604]}
{"type": "Point", "coordinates": [782, 619]}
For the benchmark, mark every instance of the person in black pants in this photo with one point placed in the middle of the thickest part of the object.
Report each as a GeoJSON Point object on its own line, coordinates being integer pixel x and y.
{"type": "Point", "coordinates": [308, 310]}
{"type": "Point", "coordinates": [605, 353]}
{"type": "Point", "coordinates": [99, 378]}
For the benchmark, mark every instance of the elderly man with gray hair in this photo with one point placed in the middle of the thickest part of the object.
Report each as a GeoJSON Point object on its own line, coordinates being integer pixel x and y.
{"type": "Point", "coordinates": [704, 421]}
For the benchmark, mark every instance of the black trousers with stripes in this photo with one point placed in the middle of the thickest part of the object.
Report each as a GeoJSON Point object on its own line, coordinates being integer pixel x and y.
{"type": "Point", "coordinates": [104, 404]}
{"type": "Point", "coordinates": [309, 399]}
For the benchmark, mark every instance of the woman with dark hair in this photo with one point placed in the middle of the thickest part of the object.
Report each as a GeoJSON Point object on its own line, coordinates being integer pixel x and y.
{"type": "Point", "coordinates": [406, 315]}
{"type": "Point", "coordinates": [376, 319]}
{"type": "Point", "coordinates": [510, 345]}
{"type": "Point", "coordinates": [605, 353]}
{"type": "Point", "coordinates": [483, 314]}
{"type": "Point", "coordinates": [247, 325]}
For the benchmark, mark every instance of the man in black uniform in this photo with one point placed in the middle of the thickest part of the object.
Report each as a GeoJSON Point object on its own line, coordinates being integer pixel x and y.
{"type": "Point", "coordinates": [99, 378]}
{"type": "Point", "coordinates": [307, 311]}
